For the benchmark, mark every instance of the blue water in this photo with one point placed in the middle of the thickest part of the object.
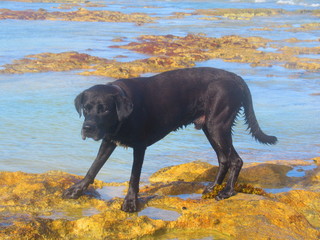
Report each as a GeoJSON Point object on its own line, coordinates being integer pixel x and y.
{"type": "Point", "coordinates": [40, 130]}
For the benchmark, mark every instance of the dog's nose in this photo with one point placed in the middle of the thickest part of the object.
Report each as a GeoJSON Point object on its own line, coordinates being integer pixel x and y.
{"type": "Point", "coordinates": [88, 127]}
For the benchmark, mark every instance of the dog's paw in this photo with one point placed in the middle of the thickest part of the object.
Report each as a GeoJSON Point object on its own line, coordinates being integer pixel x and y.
{"type": "Point", "coordinates": [130, 205]}
{"type": "Point", "coordinates": [224, 194]}
{"type": "Point", "coordinates": [73, 192]}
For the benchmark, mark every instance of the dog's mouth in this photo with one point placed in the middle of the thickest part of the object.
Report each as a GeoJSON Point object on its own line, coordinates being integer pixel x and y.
{"type": "Point", "coordinates": [94, 136]}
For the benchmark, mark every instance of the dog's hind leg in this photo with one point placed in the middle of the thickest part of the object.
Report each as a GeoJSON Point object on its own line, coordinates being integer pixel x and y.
{"type": "Point", "coordinates": [217, 129]}
{"type": "Point", "coordinates": [220, 143]}
{"type": "Point", "coordinates": [234, 170]}
{"type": "Point", "coordinates": [228, 159]}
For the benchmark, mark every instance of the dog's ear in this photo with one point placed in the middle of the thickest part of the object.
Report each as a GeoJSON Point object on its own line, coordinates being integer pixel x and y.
{"type": "Point", "coordinates": [78, 103]}
{"type": "Point", "coordinates": [124, 106]}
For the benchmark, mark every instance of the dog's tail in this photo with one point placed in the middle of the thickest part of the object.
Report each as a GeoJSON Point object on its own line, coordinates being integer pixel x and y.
{"type": "Point", "coordinates": [252, 122]}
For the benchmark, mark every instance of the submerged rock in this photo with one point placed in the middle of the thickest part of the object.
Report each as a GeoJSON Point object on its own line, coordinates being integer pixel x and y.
{"type": "Point", "coordinates": [31, 206]}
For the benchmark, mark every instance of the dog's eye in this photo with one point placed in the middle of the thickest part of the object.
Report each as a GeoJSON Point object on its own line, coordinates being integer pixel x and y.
{"type": "Point", "coordinates": [102, 109]}
{"type": "Point", "coordinates": [86, 109]}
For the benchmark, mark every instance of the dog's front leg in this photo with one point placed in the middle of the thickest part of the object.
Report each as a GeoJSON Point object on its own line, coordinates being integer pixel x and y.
{"type": "Point", "coordinates": [104, 153]}
{"type": "Point", "coordinates": [130, 203]}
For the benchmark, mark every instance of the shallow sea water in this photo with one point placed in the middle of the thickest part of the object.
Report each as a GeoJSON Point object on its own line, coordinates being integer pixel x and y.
{"type": "Point", "coordinates": [40, 129]}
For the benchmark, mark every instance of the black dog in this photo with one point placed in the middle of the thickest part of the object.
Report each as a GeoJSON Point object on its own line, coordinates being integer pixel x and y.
{"type": "Point", "coordinates": [138, 112]}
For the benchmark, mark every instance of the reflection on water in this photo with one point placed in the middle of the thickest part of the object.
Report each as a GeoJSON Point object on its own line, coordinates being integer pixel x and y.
{"type": "Point", "coordinates": [300, 171]}
{"type": "Point", "coordinates": [40, 130]}
{"type": "Point", "coordinates": [157, 213]}
{"type": "Point", "coordinates": [107, 193]}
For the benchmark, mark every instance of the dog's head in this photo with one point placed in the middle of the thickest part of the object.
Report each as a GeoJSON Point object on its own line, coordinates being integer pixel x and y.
{"type": "Point", "coordinates": [104, 107]}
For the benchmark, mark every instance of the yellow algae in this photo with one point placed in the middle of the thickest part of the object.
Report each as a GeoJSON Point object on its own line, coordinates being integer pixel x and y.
{"type": "Point", "coordinates": [271, 174]}
{"type": "Point", "coordinates": [291, 163]}
{"type": "Point", "coordinates": [189, 172]}
{"type": "Point", "coordinates": [317, 159]}
{"type": "Point", "coordinates": [249, 217]}
{"type": "Point", "coordinates": [170, 52]}
{"type": "Point", "coordinates": [229, 48]}
{"type": "Point", "coordinates": [306, 27]}
{"type": "Point", "coordinates": [31, 207]}
{"type": "Point", "coordinates": [239, 14]}
{"type": "Point", "coordinates": [86, 4]}
{"type": "Point", "coordinates": [45, 62]}
{"type": "Point", "coordinates": [173, 188]}
{"type": "Point", "coordinates": [305, 202]}
{"type": "Point", "coordinates": [300, 50]}
{"type": "Point", "coordinates": [80, 15]}
{"type": "Point", "coordinates": [261, 29]}
{"type": "Point", "coordinates": [136, 68]}
{"type": "Point", "coordinates": [21, 192]}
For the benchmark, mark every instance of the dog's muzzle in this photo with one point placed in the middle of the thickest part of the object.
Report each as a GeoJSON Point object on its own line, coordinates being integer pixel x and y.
{"type": "Point", "coordinates": [89, 130]}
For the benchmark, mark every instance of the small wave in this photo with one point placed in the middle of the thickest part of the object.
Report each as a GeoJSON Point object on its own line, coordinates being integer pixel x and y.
{"type": "Point", "coordinates": [292, 2]}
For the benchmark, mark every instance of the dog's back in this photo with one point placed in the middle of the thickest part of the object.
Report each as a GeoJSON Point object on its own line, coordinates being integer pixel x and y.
{"type": "Point", "coordinates": [174, 99]}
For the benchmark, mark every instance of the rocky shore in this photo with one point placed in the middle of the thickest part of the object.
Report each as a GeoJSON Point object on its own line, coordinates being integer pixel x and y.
{"type": "Point", "coordinates": [172, 205]}
{"type": "Point", "coordinates": [171, 52]}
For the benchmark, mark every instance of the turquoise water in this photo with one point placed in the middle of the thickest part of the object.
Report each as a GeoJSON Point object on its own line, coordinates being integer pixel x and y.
{"type": "Point", "coordinates": [40, 130]}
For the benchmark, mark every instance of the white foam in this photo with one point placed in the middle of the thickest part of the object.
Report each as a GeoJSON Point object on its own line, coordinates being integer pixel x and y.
{"type": "Point", "coordinates": [298, 3]}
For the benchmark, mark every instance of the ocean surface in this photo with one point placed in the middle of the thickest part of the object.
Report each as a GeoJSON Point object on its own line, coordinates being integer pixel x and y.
{"type": "Point", "coordinates": [40, 129]}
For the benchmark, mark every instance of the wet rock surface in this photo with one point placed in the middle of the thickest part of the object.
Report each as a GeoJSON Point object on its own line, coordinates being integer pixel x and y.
{"type": "Point", "coordinates": [31, 206]}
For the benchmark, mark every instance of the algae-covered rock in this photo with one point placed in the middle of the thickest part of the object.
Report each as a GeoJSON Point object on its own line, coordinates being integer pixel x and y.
{"type": "Point", "coordinates": [68, 61]}
{"type": "Point", "coordinates": [81, 15]}
{"type": "Point", "coordinates": [267, 175]}
{"type": "Point", "coordinates": [46, 62]}
{"type": "Point", "coordinates": [240, 188]}
{"type": "Point", "coordinates": [239, 14]}
{"type": "Point", "coordinates": [170, 52]}
{"type": "Point", "coordinates": [229, 48]}
{"type": "Point", "coordinates": [31, 207]}
{"type": "Point", "coordinates": [305, 202]}
{"type": "Point", "coordinates": [250, 217]}
{"type": "Point", "coordinates": [306, 27]}
{"type": "Point", "coordinates": [173, 188]}
{"type": "Point", "coordinates": [311, 180]}
{"type": "Point", "coordinates": [317, 159]}
{"type": "Point", "coordinates": [188, 172]}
